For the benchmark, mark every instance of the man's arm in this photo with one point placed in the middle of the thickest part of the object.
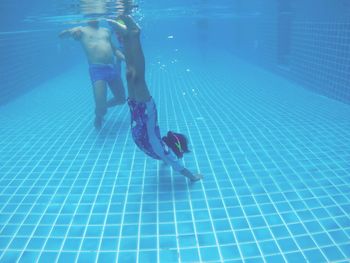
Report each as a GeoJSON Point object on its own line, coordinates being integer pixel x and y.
{"type": "Point", "coordinates": [75, 33]}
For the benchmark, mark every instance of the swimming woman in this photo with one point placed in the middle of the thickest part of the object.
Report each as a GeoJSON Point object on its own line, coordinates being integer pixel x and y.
{"type": "Point", "coordinates": [144, 124]}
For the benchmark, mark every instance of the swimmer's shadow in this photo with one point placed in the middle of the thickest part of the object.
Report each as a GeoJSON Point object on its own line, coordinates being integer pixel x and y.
{"type": "Point", "coordinates": [167, 183]}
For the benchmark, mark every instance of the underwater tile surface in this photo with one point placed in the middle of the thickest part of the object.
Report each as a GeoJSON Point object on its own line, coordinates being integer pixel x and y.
{"type": "Point", "coordinates": [276, 161]}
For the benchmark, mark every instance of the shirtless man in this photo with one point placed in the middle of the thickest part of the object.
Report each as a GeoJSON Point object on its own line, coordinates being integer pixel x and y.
{"type": "Point", "coordinates": [104, 65]}
{"type": "Point", "coordinates": [144, 124]}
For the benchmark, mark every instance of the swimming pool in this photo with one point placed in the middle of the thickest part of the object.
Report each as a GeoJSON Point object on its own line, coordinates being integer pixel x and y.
{"type": "Point", "coordinates": [273, 151]}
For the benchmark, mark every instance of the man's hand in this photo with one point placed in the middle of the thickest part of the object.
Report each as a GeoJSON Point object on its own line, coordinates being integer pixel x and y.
{"type": "Point", "coordinates": [76, 33]}
{"type": "Point", "coordinates": [64, 33]}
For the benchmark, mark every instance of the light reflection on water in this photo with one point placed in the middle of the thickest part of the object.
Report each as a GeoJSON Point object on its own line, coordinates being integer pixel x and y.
{"type": "Point", "coordinates": [77, 11]}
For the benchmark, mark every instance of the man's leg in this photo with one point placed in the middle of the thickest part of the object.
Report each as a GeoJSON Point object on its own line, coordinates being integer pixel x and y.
{"type": "Point", "coordinates": [118, 91]}
{"type": "Point", "coordinates": [100, 94]}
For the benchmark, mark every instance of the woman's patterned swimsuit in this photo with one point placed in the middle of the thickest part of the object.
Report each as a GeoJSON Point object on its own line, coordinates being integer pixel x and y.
{"type": "Point", "coordinates": [146, 132]}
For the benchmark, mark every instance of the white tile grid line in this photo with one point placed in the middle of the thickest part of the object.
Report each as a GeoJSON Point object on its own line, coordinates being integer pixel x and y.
{"type": "Point", "coordinates": [21, 181]}
{"type": "Point", "coordinates": [24, 167]}
{"type": "Point", "coordinates": [202, 232]}
{"type": "Point", "coordinates": [20, 37]}
{"type": "Point", "coordinates": [316, 157]}
{"type": "Point", "coordinates": [297, 160]}
{"type": "Point", "coordinates": [17, 82]}
{"type": "Point", "coordinates": [69, 226]}
{"type": "Point", "coordinates": [320, 205]}
{"type": "Point", "coordinates": [211, 261]}
{"type": "Point", "coordinates": [140, 212]}
{"type": "Point", "coordinates": [167, 110]}
{"type": "Point", "coordinates": [313, 86]}
{"type": "Point", "coordinates": [40, 93]}
{"type": "Point", "coordinates": [13, 68]}
{"type": "Point", "coordinates": [325, 33]}
{"type": "Point", "coordinates": [321, 151]}
{"type": "Point", "coordinates": [208, 199]}
{"type": "Point", "coordinates": [297, 90]}
{"type": "Point", "coordinates": [302, 55]}
{"type": "Point", "coordinates": [159, 84]}
{"type": "Point", "coordinates": [99, 186]}
{"type": "Point", "coordinates": [320, 128]}
{"type": "Point", "coordinates": [301, 164]}
{"type": "Point", "coordinates": [8, 146]}
{"type": "Point", "coordinates": [169, 83]}
{"type": "Point", "coordinates": [113, 189]}
{"type": "Point", "coordinates": [182, 83]}
{"type": "Point", "coordinates": [219, 118]}
{"type": "Point", "coordinates": [124, 205]}
{"type": "Point", "coordinates": [273, 105]}
{"type": "Point", "coordinates": [292, 120]}
{"type": "Point", "coordinates": [24, 142]}
{"type": "Point", "coordinates": [267, 254]}
{"type": "Point", "coordinates": [157, 213]}
{"type": "Point", "coordinates": [286, 225]}
{"type": "Point", "coordinates": [29, 127]}
{"type": "Point", "coordinates": [324, 230]}
{"type": "Point", "coordinates": [33, 203]}
{"type": "Point", "coordinates": [299, 219]}
{"type": "Point", "coordinates": [190, 247]}
{"type": "Point", "coordinates": [328, 196]}
{"type": "Point", "coordinates": [324, 149]}
{"type": "Point", "coordinates": [255, 200]}
{"type": "Point", "coordinates": [158, 175]}
{"type": "Point", "coordinates": [73, 133]}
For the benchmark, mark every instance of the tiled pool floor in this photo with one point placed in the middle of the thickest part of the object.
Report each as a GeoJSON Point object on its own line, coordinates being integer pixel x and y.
{"type": "Point", "coordinates": [276, 161]}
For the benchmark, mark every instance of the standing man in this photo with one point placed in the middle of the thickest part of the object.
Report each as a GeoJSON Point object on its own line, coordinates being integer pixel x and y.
{"type": "Point", "coordinates": [104, 65]}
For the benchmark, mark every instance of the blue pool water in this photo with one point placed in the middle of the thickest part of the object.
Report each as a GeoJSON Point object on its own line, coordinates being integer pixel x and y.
{"type": "Point", "coordinates": [272, 141]}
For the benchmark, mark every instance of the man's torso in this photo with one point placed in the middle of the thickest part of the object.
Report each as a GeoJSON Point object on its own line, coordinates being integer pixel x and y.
{"type": "Point", "coordinates": [97, 45]}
